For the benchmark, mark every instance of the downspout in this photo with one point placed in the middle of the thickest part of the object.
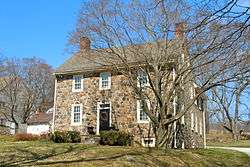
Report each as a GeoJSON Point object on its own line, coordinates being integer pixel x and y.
{"type": "Point", "coordinates": [174, 105]}
{"type": "Point", "coordinates": [54, 110]}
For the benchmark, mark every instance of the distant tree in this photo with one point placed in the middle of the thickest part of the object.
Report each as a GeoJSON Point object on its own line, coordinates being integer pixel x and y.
{"type": "Point", "coordinates": [28, 87]}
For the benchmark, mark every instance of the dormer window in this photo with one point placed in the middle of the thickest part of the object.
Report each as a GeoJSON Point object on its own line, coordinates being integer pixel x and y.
{"type": "Point", "coordinates": [77, 84]}
{"type": "Point", "coordinates": [142, 79]}
{"type": "Point", "coordinates": [105, 81]}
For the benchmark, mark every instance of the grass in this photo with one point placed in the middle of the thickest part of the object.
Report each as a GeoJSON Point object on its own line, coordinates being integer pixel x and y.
{"type": "Point", "coordinates": [240, 143]}
{"type": "Point", "coordinates": [225, 140]}
{"type": "Point", "coordinates": [44, 153]}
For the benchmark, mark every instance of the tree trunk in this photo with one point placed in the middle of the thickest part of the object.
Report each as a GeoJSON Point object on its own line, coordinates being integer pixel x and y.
{"type": "Point", "coordinates": [16, 128]}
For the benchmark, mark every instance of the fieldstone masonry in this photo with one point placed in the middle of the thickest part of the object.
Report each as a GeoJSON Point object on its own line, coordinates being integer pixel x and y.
{"type": "Point", "coordinates": [123, 109]}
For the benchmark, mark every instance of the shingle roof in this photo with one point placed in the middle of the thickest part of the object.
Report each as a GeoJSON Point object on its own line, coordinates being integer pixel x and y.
{"type": "Point", "coordinates": [40, 118]}
{"type": "Point", "coordinates": [91, 60]}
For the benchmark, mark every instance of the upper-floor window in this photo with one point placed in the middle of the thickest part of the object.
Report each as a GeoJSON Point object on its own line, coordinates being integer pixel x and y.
{"type": "Point", "coordinates": [76, 114]}
{"type": "Point", "coordinates": [142, 79]}
{"type": "Point", "coordinates": [77, 84]}
{"type": "Point", "coordinates": [142, 116]}
{"type": "Point", "coordinates": [105, 80]}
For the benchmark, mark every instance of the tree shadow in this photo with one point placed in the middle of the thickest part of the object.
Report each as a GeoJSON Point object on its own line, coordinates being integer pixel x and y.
{"type": "Point", "coordinates": [26, 157]}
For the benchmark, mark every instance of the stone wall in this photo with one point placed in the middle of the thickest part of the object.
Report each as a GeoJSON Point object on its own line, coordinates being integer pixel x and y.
{"type": "Point", "coordinates": [123, 104]}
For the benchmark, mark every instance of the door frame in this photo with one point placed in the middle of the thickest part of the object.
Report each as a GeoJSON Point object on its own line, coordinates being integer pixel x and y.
{"type": "Point", "coordinates": [98, 116]}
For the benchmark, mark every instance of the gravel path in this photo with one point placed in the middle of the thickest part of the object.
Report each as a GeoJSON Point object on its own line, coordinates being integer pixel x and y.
{"type": "Point", "coordinates": [241, 149]}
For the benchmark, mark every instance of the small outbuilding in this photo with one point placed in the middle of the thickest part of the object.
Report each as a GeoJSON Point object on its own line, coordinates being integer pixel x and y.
{"type": "Point", "coordinates": [40, 123]}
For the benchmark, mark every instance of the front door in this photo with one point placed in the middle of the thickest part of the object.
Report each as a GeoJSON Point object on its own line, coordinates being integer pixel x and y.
{"type": "Point", "coordinates": [104, 117]}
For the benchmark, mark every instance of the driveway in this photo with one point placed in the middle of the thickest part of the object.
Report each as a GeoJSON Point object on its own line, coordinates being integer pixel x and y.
{"type": "Point", "coordinates": [241, 149]}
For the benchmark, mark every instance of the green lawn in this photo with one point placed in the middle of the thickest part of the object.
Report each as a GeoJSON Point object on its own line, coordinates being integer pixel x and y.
{"type": "Point", "coordinates": [42, 153]}
{"type": "Point", "coordinates": [240, 143]}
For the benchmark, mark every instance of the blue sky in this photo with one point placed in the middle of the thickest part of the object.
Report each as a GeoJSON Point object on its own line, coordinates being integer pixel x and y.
{"type": "Point", "coordinates": [37, 28]}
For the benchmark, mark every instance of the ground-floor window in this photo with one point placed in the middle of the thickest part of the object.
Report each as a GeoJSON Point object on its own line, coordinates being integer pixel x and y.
{"type": "Point", "coordinates": [76, 114]}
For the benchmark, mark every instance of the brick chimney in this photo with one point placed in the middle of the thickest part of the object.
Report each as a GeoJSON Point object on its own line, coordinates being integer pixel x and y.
{"type": "Point", "coordinates": [180, 29]}
{"type": "Point", "coordinates": [84, 44]}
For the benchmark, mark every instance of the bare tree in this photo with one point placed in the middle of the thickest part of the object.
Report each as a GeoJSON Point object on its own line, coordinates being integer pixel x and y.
{"type": "Point", "coordinates": [228, 108]}
{"type": "Point", "coordinates": [27, 88]}
{"type": "Point", "coordinates": [139, 37]}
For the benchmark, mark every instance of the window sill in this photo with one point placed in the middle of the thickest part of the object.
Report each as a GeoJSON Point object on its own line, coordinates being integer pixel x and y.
{"type": "Point", "coordinates": [104, 88]}
{"type": "Point", "coordinates": [77, 90]}
{"type": "Point", "coordinates": [141, 122]}
{"type": "Point", "coordinates": [76, 124]}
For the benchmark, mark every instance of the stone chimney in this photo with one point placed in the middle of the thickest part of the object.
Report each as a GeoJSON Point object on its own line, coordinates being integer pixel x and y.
{"type": "Point", "coordinates": [84, 44]}
{"type": "Point", "coordinates": [180, 29]}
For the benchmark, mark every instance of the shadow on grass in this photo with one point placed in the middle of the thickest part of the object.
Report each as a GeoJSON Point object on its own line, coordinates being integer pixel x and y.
{"type": "Point", "coordinates": [29, 157]}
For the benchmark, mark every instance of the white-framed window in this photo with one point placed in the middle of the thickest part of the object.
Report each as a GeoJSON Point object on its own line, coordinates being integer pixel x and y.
{"type": "Point", "coordinates": [200, 127]}
{"type": "Point", "coordinates": [142, 117]}
{"type": "Point", "coordinates": [148, 142]}
{"type": "Point", "coordinates": [142, 79]}
{"type": "Point", "coordinates": [192, 121]}
{"type": "Point", "coordinates": [76, 114]}
{"type": "Point", "coordinates": [77, 84]}
{"type": "Point", "coordinates": [105, 80]}
{"type": "Point", "coordinates": [196, 123]}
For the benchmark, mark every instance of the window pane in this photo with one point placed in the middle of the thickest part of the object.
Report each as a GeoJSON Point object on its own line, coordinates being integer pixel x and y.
{"type": "Point", "coordinates": [78, 84]}
{"type": "Point", "coordinates": [143, 115]}
{"type": "Point", "coordinates": [77, 116]}
{"type": "Point", "coordinates": [104, 80]}
{"type": "Point", "coordinates": [143, 78]}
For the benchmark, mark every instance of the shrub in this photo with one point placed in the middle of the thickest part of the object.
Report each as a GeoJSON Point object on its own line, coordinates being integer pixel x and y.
{"type": "Point", "coordinates": [58, 137]}
{"type": "Point", "coordinates": [26, 137]}
{"type": "Point", "coordinates": [66, 137]}
{"type": "Point", "coordinates": [73, 137]}
{"type": "Point", "coordinates": [115, 138]}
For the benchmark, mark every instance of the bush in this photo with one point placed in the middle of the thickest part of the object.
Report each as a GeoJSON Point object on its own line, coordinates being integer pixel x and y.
{"type": "Point", "coordinates": [73, 137]}
{"type": "Point", "coordinates": [115, 138]}
{"type": "Point", "coordinates": [26, 137]}
{"type": "Point", "coordinates": [66, 137]}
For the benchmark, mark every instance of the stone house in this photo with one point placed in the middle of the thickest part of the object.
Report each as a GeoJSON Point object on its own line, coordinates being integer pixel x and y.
{"type": "Point", "coordinates": [90, 97]}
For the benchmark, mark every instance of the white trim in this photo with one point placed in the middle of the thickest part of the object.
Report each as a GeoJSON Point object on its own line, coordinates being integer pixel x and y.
{"type": "Point", "coordinates": [54, 110]}
{"type": "Point", "coordinates": [109, 81]}
{"type": "Point", "coordinates": [196, 123]}
{"type": "Point", "coordinates": [200, 125]}
{"type": "Point", "coordinates": [72, 115]}
{"type": "Point", "coordinates": [174, 106]}
{"type": "Point", "coordinates": [204, 130]}
{"type": "Point", "coordinates": [148, 145]}
{"type": "Point", "coordinates": [138, 110]}
{"type": "Point", "coordinates": [73, 83]}
{"type": "Point", "coordinates": [183, 117]}
{"type": "Point", "coordinates": [98, 116]}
